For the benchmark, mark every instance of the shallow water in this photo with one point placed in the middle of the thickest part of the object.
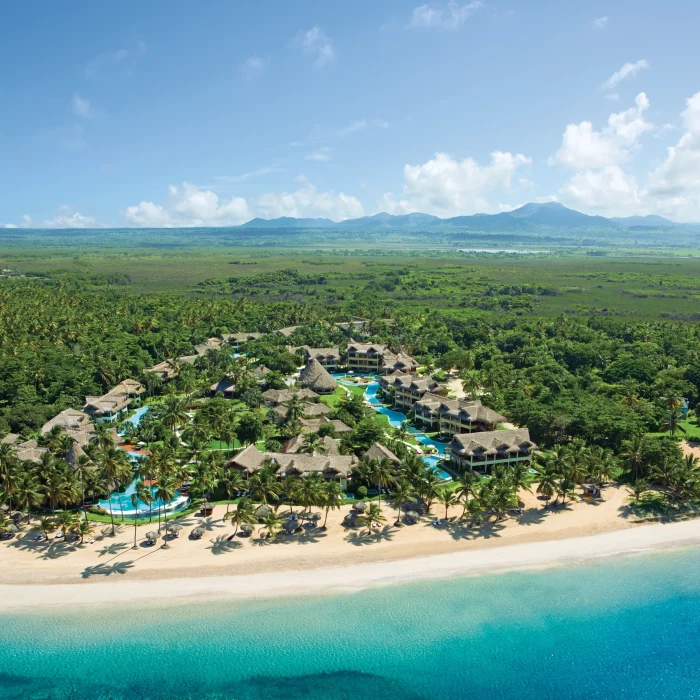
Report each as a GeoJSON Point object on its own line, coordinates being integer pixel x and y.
{"type": "Point", "coordinates": [616, 629]}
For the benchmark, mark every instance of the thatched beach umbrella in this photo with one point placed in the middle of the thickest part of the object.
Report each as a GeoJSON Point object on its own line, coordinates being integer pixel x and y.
{"type": "Point", "coordinates": [151, 537]}
{"type": "Point", "coordinates": [9, 530]}
{"type": "Point", "coordinates": [411, 517]}
{"type": "Point", "coordinates": [197, 533]}
{"type": "Point", "coordinates": [360, 506]}
{"type": "Point", "coordinates": [246, 529]}
{"type": "Point", "coordinates": [174, 528]}
{"type": "Point", "coordinates": [262, 511]}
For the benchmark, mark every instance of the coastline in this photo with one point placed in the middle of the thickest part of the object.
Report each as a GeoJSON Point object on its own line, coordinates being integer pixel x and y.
{"type": "Point", "coordinates": [352, 578]}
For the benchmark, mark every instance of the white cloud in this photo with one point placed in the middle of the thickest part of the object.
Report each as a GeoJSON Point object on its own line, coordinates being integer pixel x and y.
{"type": "Point", "coordinates": [450, 16]}
{"type": "Point", "coordinates": [315, 42]}
{"type": "Point", "coordinates": [10, 226]}
{"type": "Point", "coordinates": [67, 218]}
{"type": "Point", "coordinates": [188, 205]}
{"type": "Point", "coordinates": [252, 68]}
{"type": "Point", "coordinates": [676, 182]}
{"type": "Point", "coordinates": [600, 22]}
{"type": "Point", "coordinates": [26, 223]}
{"type": "Point", "coordinates": [308, 201]}
{"type": "Point", "coordinates": [120, 61]}
{"type": "Point", "coordinates": [321, 155]}
{"type": "Point", "coordinates": [81, 106]}
{"type": "Point", "coordinates": [629, 70]}
{"type": "Point", "coordinates": [585, 148]}
{"type": "Point", "coordinates": [446, 187]}
{"type": "Point", "coordinates": [608, 191]}
{"type": "Point", "coordinates": [361, 125]}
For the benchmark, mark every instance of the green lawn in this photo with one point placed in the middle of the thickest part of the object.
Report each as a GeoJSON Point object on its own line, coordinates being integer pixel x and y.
{"type": "Point", "coordinates": [692, 430]}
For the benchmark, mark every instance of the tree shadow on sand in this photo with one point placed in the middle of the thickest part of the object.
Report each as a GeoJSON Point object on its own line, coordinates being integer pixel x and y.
{"type": "Point", "coordinates": [362, 538]}
{"type": "Point", "coordinates": [222, 545]}
{"type": "Point", "coordinates": [112, 549]}
{"type": "Point", "coordinates": [119, 567]}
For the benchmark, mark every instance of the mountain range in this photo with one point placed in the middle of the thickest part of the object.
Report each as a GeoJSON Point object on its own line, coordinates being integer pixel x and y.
{"type": "Point", "coordinates": [530, 217]}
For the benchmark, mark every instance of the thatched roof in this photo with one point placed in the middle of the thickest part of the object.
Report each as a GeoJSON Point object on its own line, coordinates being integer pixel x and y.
{"type": "Point", "coordinates": [224, 385]}
{"type": "Point", "coordinates": [315, 377]}
{"type": "Point", "coordinates": [461, 409]}
{"type": "Point", "coordinates": [331, 465]}
{"type": "Point", "coordinates": [115, 399]}
{"type": "Point", "coordinates": [322, 353]}
{"type": "Point", "coordinates": [378, 451]}
{"type": "Point", "coordinates": [69, 420]}
{"type": "Point", "coordinates": [286, 332]}
{"type": "Point", "coordinates": [493, 442]}
{"type": "Point", "coordinates": [30, 451]}
{"type": "Point", "coordinates": [311, 425]}
{"type": "Point", "coordinates": [278, 396]}
{"type": "Point", "coordinates": [10, 439]}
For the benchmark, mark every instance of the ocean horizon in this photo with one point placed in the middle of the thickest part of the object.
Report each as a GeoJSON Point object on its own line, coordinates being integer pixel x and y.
{"type": "Point", "coordinates": [617, 628]}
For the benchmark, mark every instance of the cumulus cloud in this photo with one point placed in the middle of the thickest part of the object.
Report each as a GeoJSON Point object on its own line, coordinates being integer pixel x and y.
{"type": "Point", "coordinates": [676, 182]}
{"type": "Point", "coordinates": [608, 191]}
{"type": "Point", "coordinates": [308, 201]}
{"type": "Point", "coordinates": [252, 68]}
{"type": "Point", "coordinates": [447, 187]}
{"type": "Point", "coordinates": [450, 16]}
{"type": "Point", "coordinates": [188, 205]}
{"type": "Point", "coordinates": [67, 218]}
{"type": "Point", "coordinates": [315, 42]}
{"type": "Point", "coordinates": [600, 22]}
{"type": "Point", "coordinates": [629, 70]}
{"type": "Point", "coordinates": [583, 147]}
{"type": "Point", "coordinates": [26, 223]}
{"type": "Point", "coordinates": [81, 106]}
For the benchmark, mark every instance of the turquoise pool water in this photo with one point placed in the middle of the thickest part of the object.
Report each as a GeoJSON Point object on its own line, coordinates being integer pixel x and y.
{"type": "Point", "coordinates": [396, 419]}
{"type": "Point", "coordinates": [608, 631]}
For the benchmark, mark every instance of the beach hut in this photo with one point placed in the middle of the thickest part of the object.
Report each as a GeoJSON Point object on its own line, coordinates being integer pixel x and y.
{"type": "Point", "coordinates": [207, 509]}
{"type": "Point", "coordinates": [315, 377]}
{"type": "Point", "coordinates": [197, 533]}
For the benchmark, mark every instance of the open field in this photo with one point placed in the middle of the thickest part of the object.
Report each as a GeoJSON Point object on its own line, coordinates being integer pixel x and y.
{"type": "Point", "coordinates": [452, 282]}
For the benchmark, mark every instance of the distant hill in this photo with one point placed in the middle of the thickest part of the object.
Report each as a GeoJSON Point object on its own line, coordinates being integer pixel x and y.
{"type": "Point", "coordinates": [528, 218]}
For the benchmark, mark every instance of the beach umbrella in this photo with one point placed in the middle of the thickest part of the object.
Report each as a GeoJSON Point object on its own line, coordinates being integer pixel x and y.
{"type": "Point", "coordinates": [246, 528]}
{"type": "Point", "coordinates": [412, 516]}
{"type": "Point", "coordinates": [152, 536]}
{"type": "Point", "coordinates": [198, 532]}
{"type": "Point", "coordinates": [360, 507]}
{"type": "Point", "coordinates": [9, 529]}
{"type": "Point", "coordinates": [174, 527]}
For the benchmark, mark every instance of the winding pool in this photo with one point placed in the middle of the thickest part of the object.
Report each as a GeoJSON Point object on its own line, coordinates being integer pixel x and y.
{"type": "Point", "coordinates": [396, 419]}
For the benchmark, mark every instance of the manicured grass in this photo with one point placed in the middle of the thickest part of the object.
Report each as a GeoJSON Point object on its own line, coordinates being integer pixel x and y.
{"type": "Point", "coordinates": [692, 430]}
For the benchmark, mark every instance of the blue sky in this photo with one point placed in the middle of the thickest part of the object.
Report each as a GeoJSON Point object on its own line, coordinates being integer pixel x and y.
{"type": "Point", "coordinates": [182, 113]}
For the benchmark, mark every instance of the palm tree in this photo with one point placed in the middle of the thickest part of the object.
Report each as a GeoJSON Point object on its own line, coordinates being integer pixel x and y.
{"type": "Point", "coordinates": [83, 469]}
{"type": "Point", "coordinates": [165, 492]}
{"type": "Point", "coordinates": [233, 483]}
{"type": "Point", "coordinates": [673, 422]}
{"type": "Point", "coordinates": [295, 409]}
{"type": "Point", "coordinates": [466, 487]}
{"type": "Point", "coordinates": [66, 521]}
{"type": "Point", "coordinates": [84, 528]}
{"type": "Point", "coordinates": [47, 525]}
{"type": "Point", "coordinates": [448, 499]}
{"type": "Point", "coordinates": [115, 468]}
{"type": "Point", "coordinates": [141, 493]}
{"type": "Point", "coordinates": [28, 493]}
{"type": "Point", "coordinates": [638, 490]}
{"type": "Point", "coordinates": [475, 510]}
{"type": "Point", "coordinates": [174, 413]}
{"type": "Point", "coordinates": [313, 444]}
{"type": "Point", "coordinates": [331, 498]}
{"type": "Point", "coordinates": [382, 474]}
{"type": "Point", "coordinates": [634, 454]}
{"type": "Point", "coordinates": [263, 485]}
{"type": "Point", "coordinates": [243, 513]}
{"type": "Point", "coordinates": [547, 477]}
{"type": "Point", "coordinates": [272, 524]}
{"type": "Point", "coordinates": [290, 491]}
{"type": "Point", "coordinates": [372, 517]}
{"type": "Point", "coordinates": [402, 492]}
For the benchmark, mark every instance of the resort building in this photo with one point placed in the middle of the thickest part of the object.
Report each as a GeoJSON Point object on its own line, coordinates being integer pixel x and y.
{"type": "Point", "coordinates": [399, 362]}
{"type": "Point", "coordinates": [30, 451]}
{"type": "Point", "coordinates": [208, 346]}
{"type": "Point", "coordinates": [407, 388]}
{"type": "Point", "coordinates": [70, 421]}
{"type": "Point", "coordinates": [311, 425]}
{"type": "Point", "coordinates": [286, 332]}
{"type": "Point", "coordinates": [327, 445]}
{"type": "Point", "coordinates": [238, 340]}
{"type": "Point", "coordinates": [453, 416]}
{"type": "Point", "coordinates": [328, 357]}
{"type": "Point", "coordinates": [111, 404]}
{"type": "Point", "coordinates": [332, 467]}
{"type": "Point", "coordinates": [315, 377]}
{"type": "Point", "coordinates": [481, 451]}
{"type": "Point", "coordinates": [225, 386]}
{"type": "Point", "coordinates": [379, 451]}
{"type": "Point", "coordinates": [373, 358]}
{"type": "Point", "coordinates": [275, 397]}
{"type": "Point", "coordinates": [311, 410]}
{"type": "Point", "coordinates": [165, 371]}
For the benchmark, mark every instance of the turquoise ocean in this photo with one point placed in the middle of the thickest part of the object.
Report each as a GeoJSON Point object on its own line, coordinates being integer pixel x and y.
{"type": "Point", "coordinates": [622, 628]}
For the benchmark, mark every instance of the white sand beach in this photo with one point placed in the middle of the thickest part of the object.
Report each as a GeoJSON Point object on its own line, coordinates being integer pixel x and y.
{"type": "Point", "coordinates": [356, 577]}
{"type": "Point", "coordinates": [338, 559]}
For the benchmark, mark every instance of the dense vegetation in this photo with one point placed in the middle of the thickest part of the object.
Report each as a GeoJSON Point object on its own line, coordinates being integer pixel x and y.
{"type": "Point", "coordinates": [608, 380]}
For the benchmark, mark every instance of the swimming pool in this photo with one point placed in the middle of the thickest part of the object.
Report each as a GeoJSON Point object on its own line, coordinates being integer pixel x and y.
{"type": "Point", "coordinates": [396, 419]}
{"type": "Point", "coordinates": [120, 503]}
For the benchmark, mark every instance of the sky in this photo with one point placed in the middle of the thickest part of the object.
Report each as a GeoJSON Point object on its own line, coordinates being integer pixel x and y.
{"type": "Point", "coordinates": [173, 113]}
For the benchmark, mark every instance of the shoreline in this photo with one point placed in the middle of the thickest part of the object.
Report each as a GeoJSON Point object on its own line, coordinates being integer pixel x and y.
{"type": "Point", "coordinates": [354, 578]}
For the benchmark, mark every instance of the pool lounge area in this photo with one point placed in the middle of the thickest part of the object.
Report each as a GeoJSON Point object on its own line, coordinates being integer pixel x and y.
{"type": "Point", "coordinates": [396, 419]}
